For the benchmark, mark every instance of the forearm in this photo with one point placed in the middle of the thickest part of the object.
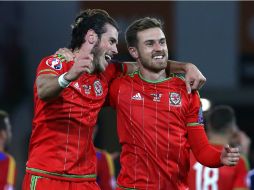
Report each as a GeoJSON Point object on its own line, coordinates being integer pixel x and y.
{"type": "Point", "coordinates": [176, 67]}
{"type": "Point", "coordinates": [205, 153]}
{"type": "Point", "coordinates": [48, 86]}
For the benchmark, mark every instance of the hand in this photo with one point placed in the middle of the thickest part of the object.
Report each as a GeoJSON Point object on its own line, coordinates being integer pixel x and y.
{"type": "Point", "coordinates": [194, 79]}
{"type": "Point", "coordinates": [241, 139]}
{"type": "Point", "coordinates": [230, 156]}
{"type": "Point", "coordinates": [66, 53]}
{"type": "Point", "coordinates": [83, 60]}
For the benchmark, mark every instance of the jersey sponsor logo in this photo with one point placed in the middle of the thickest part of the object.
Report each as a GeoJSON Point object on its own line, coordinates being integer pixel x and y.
{"type": "Point", "coordinates": [156, 97]}
{"type": "Point", "coordinates": [137, 97]}
{"type": "Point", "coordinates": [54, 63]}
{"type": "Point", "coordinates": [87, 88]}
{"type": "Point", "coordinates": [175, 99]}
{"type": "Point", "coordinates": [98, 88]}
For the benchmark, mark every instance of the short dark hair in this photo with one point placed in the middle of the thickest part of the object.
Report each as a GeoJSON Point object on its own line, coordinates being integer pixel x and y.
{"type": "Point", "coordinates": [95, 19]}
{"type": "Point", "coordinates": [138, 26]}
{"type": "Point", "coordinates": [220, 118]}
{"type": "Point", "coordinates": [3, 115]}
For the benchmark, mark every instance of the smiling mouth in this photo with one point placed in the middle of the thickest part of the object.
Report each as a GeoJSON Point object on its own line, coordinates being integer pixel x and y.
{"type": "Point", "coordinates": [158, 57]}
{"type": "Point", "coordinates": [108, 58]}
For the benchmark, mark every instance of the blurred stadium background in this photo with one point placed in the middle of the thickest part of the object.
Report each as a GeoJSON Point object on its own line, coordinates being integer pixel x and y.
{"type": "Point", "coordinates": [218, 37]}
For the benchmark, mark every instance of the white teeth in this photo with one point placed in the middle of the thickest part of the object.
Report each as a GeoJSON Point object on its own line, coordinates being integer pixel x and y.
{"type": "Point", "coordinates": [158, 57]}
{"type": "Point", "coordinates": [108, 57]}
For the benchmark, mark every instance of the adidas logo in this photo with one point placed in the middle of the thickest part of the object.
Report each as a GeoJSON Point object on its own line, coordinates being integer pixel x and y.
{"type": "Point", "coordinates": [137, 97]}
{"type": "Point", "coordinates": [76, 85]}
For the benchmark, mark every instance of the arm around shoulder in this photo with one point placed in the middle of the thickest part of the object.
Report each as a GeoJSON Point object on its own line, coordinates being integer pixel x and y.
{"type": "Point", "coordinates": [194, 79]}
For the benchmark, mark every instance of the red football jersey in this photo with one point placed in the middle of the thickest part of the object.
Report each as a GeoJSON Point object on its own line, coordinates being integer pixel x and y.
{"type": "Point", "coordinates": [7, 171]}
{"type": "Point", "coordinates": [223, 178]}
{"type": "Point", "coordinates": [152, 121]}
{"type": "Point", "coordinates": [61, 142]}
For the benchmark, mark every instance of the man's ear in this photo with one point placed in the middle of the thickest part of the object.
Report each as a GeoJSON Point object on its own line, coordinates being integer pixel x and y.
{"type": "Point", "coordinates": [133, 51]}
{"type": "Point", "coordinates": [91, 37]}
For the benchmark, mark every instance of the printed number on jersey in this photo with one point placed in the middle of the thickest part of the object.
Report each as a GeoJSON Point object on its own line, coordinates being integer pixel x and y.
{"type": "Point", "coordinates": [206, 178]}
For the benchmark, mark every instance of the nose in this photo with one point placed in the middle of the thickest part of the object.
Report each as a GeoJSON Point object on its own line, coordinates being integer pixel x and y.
{"type": "Point", "coordinates": [157, 47]}
{"type": "Point", "coordinates": [114, 50]}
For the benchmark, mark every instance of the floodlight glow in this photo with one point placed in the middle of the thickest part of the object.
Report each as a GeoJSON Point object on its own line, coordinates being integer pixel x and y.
{"type": "Point", "coordinates": [206, 104]}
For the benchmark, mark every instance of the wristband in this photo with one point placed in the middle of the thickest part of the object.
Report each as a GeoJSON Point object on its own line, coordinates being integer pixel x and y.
{"type": "Point", "coordinates": [63, 83]}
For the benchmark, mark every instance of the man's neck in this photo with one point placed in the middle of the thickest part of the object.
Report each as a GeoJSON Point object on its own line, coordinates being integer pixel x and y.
{"type": "Point", "coordinates": [151, 75]}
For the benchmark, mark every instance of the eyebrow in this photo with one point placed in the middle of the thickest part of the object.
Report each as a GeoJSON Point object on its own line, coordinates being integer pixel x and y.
{"type": "Point", "coordinates": [152, 40]}
{"type": "Point", "coordinates": [113, 40]}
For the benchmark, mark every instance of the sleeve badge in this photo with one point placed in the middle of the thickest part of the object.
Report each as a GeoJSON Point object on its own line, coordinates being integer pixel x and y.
{"type": "Point", "coordinates": [200, 116]}
{"type": "Point", "coordinates": [54, 63]}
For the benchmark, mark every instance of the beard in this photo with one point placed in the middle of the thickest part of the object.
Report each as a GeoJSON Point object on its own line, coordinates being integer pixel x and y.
{"type": "Point", "coordinates": [148, 63]}
{"type": "Point", "coordinates": [99, 57]}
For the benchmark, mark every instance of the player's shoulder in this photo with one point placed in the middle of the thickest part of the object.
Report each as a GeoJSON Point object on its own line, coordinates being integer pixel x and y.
{"type": "Point", "coordinates": [126, 77]}
{"type": "Point", "coordinates": [133, 74]}
{"type": "Point", "coordinates": [6, 156]}
{"type": "Point", "coordinates": [52, 63]}
{"type": "Point", "coordinates": [178, 80]}
{"type": "Point", "coordinates": [3, 155]}
{"type": "Point", "coordinates": [54, 60]}
{"type": "Point", "coordinates": [178, 76]}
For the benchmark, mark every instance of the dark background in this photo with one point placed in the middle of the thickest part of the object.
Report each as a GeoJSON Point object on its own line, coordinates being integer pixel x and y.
{"type": "Point", "coordinates": [218, 37]}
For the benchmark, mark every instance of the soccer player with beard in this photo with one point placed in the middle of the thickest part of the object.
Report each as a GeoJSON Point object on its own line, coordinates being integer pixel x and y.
{"type": "Point", "coordinates": [158, 122]}
{"type": "Point", "coordinates": [68, 96]}
{"type": "Point", "coordinates": [61, 152]}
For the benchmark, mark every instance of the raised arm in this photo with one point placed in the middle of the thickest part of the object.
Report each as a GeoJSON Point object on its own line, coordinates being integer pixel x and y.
{"type": "Point", "coordinates": [50, 85]}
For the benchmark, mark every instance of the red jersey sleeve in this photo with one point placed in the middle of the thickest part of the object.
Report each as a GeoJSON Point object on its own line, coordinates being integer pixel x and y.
{"type": "Point", "coordinates": [241, 174]}
{"type": "Point", "coordinates": [202, 150]}
{"type": "Point", "coordinates": [113, 92]}
{"type": "Point", "coordinates": [205, 153]}
{"type": "Point", "coordinates": [114, 70]}
{"type": "Point", "coordinates": [195, 115]}
{"type": "Point", "coordinates": [53, 64]}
